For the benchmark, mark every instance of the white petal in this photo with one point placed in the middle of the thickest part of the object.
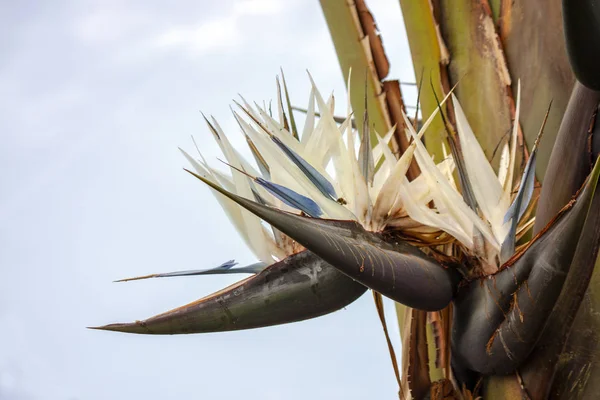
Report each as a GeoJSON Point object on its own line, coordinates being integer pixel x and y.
{"type": "Point", "coordinates": [378, 150]}
{"type": "Point", "coordinates": [445, 196]}
{"type": "Point", "coordinates": [309, 121]}
{"type": "Point", "coordinates": [285, 172]}
{"type": "Point", "coordinates": [390, 189]}
{"type": "Point", "coordinates": [234, 213]}
{"type": "Point", "coordinates": [486, 188]}
{"type": "Point", "coordinates": [503, 167]}
{"type": "Point", "coordinates": [244, 189]}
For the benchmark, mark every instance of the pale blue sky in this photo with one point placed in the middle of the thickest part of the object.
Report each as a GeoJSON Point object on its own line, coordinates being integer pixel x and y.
{"type": "Point", "coordinates": [96, 98]}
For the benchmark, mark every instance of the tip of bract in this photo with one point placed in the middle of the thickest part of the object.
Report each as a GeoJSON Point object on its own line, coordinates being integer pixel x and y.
{"type": "Point", "coordinates": [132, 327]}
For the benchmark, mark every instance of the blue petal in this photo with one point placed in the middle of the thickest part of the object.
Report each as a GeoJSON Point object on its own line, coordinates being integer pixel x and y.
{"type": "Point", "coordinates": [311, 173]}
{"type": "Point", "coordinates": [520, 203]}
{"type": "Point", "coordinates": [525, 192]}
{"type": "Point", "coordinates": [291, 198]}
{"type": "Point", "coordinates": [225, 268]}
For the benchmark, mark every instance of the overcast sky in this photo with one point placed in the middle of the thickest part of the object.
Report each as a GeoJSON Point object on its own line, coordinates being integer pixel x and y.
{"type": "Point", "coordinates": [96, 96]}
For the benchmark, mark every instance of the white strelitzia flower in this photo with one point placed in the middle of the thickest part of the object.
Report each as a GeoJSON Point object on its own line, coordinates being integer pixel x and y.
{"type": "Point", "coordinates": [292, 175]}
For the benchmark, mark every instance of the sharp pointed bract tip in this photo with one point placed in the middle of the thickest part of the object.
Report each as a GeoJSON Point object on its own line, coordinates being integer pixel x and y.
{"type": "Point", "coordinates": [137, 278]}
{"type": "Point", "coordinates": [132, 327]}
{"type": "Point", "coordinates": [101, 327]}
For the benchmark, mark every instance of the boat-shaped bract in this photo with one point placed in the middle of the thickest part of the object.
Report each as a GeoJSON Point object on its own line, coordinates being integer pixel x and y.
{"type": "Point", "coordinates": [299, 287]}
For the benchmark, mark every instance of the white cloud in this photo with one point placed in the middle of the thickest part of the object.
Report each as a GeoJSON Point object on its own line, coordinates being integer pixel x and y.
{"type": "Point", "coordinates": [108, 25]}
{"type": "Point", "coordinates": [203, 38]}
{"type": "Point", "coordinates": [12, 385]}
{"type": "Point", "coordinates": [258, 7]}
{"type": "Point", "coordinates": [218, 33]}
